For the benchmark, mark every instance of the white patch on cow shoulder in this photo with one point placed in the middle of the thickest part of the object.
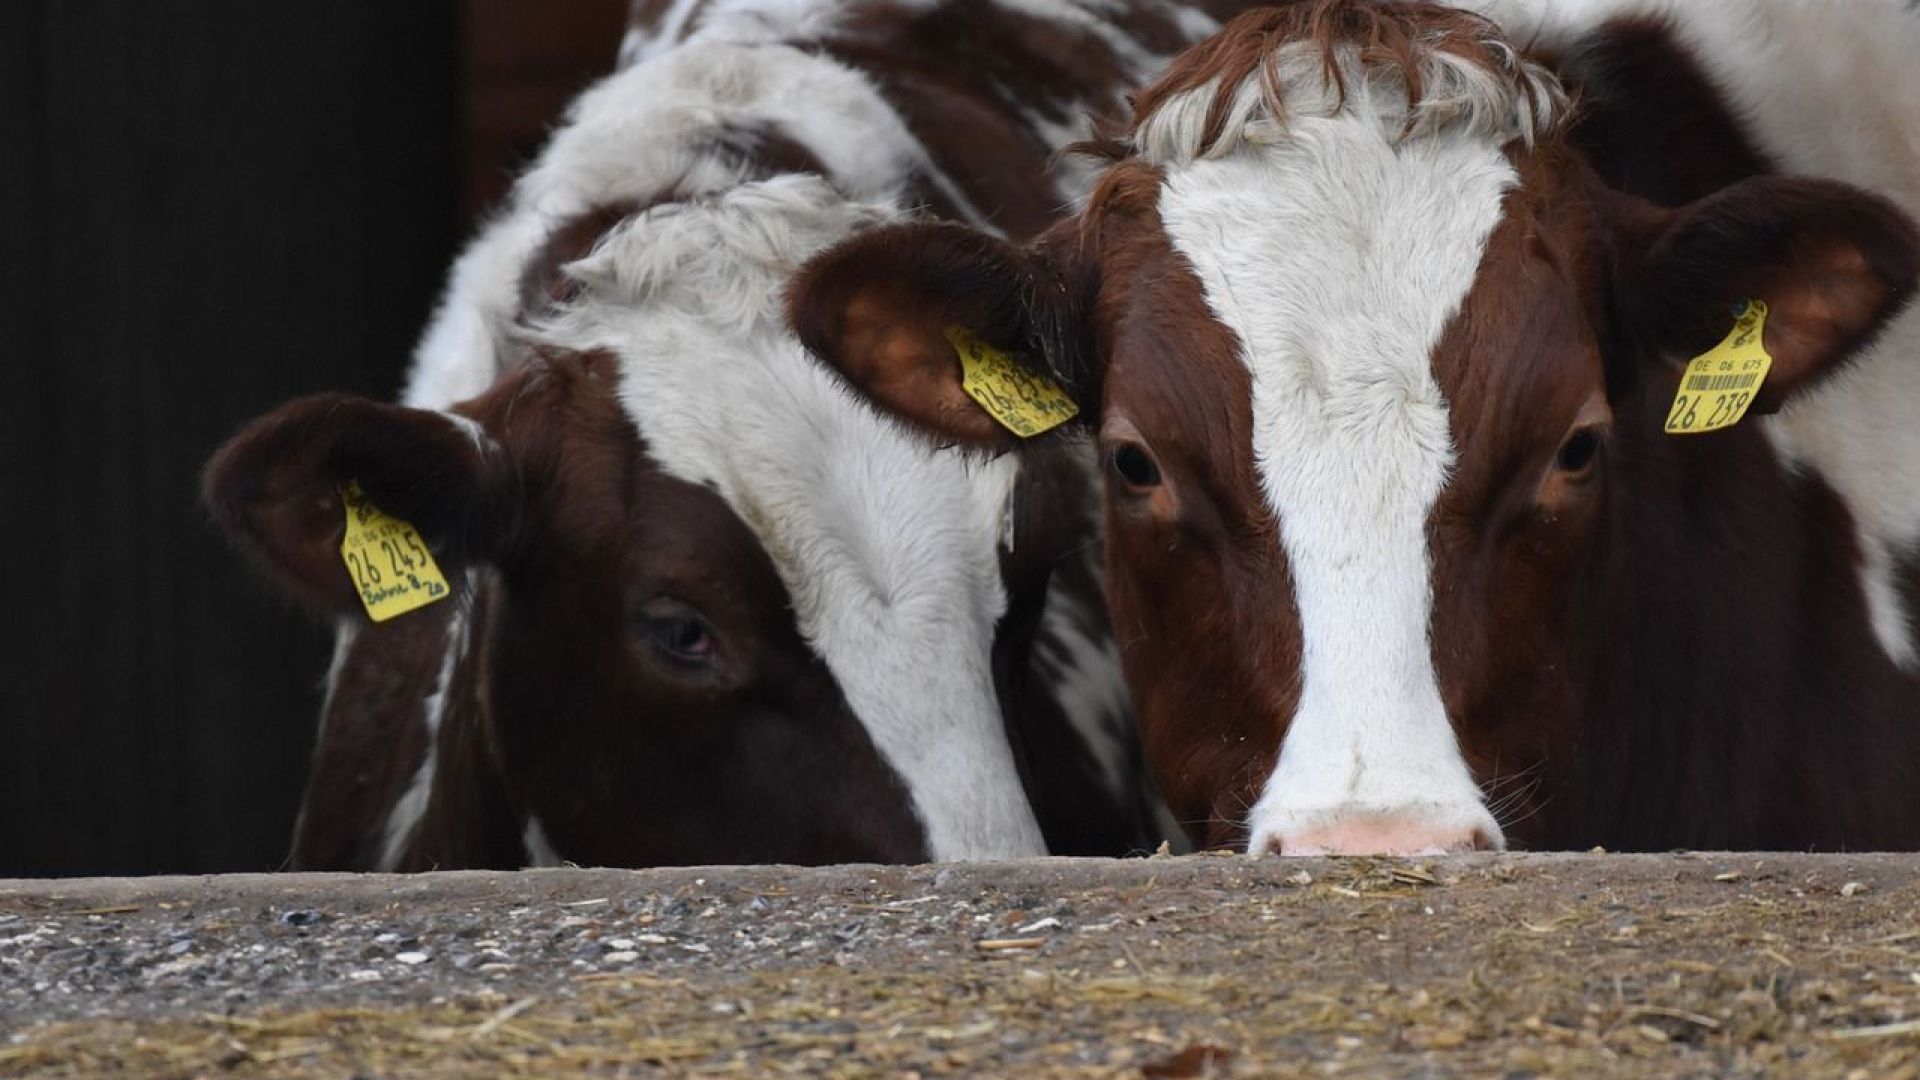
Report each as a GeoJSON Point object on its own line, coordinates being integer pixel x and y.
{"type": "Point", "coordinates": [404, 819]}
{"type": "Point", "coordinates": [652, 128]}
{"type": "Point", "coordinates": [1338, 253]}
{"type": "Point", "coordinates": [539, 849]}
{"type": "Point", "coordinates": [887, 547]}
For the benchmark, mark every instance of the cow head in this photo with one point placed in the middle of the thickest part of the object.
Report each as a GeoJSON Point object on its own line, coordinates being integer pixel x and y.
{"type": "Point", "coordinates": [1360, 336]}
{"type": "Point", "coordinates": [725, 612]}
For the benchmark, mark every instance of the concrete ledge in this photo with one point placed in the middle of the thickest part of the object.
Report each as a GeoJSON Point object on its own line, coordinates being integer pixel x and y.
{"type": "Point", "coordinates": [1532, 964]}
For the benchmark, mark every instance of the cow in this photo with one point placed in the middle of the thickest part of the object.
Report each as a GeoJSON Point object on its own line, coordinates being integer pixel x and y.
{"type": "Point", "coordinates": [700, 605]}
{"type": "Point", "coordinates": [1382, 340]}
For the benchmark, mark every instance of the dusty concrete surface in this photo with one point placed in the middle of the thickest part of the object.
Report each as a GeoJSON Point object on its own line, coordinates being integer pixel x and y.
{"type": "Point", "coordinates": [1506, 966]}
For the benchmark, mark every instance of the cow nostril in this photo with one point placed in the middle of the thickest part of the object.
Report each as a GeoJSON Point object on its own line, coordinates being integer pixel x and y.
{"type": "Point", "coordinates": [1482, 842]}
{"type": "Point", "coordinates": [1273, 846]}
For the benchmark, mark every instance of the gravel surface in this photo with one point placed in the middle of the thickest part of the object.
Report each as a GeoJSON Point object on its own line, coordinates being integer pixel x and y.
{"type": "Point", "coordinates": [1205, 965]}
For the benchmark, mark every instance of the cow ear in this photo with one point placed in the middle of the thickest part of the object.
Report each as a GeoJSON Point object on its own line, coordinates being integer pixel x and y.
{"type": "Point", "coordinates": [892, 309]}
{"type": "Point", "coordinates": [1832, 263]}
{"type": "Point", "coordinates": [276, 488]}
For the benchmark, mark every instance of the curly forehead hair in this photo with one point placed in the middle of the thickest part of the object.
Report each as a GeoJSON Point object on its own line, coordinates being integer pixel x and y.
{"type": "Point", "coordinates": [1417, 66]}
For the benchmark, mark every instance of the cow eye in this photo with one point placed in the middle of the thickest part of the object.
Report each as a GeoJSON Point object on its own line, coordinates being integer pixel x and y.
{"type": "Point", "coordinates": [678, 632]}
{"type": "Point", "coordinates": [1134, 465]}
{"type": "Point", "coordinates": [1579, 452]}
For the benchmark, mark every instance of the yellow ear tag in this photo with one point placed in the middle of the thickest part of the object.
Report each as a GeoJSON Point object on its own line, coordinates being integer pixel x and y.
{"type": "Point", "coordinates": [1720, 383]}
{"type": "Point", "coordinates": [1024, 402]}
{"type": "Point", "coordinates": [391, 566]}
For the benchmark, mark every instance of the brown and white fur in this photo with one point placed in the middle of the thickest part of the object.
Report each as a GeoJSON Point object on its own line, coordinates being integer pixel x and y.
{"type": "Point", "coordinates": [713, 609]}
{"type": "Point", "coordinates": [1379, 336]}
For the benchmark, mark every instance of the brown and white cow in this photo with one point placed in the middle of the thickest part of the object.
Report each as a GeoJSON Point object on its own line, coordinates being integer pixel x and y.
{"type": "Point", "coordinates": [1398, 552]}
{"type": "Point", "coordinates": [710, 608]}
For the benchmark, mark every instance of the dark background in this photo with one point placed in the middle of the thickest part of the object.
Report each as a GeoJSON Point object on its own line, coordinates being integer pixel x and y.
{"type": "Point", "coordinates": [205, 209]}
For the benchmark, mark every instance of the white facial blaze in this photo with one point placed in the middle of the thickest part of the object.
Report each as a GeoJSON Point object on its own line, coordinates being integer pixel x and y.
{"type": "Point", "coordinates": [1338, 259]}
{"type": "Point", "coordinates": [888, 548]}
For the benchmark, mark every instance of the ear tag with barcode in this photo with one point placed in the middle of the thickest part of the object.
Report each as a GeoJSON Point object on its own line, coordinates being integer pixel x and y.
{"type": "Point", "coordinates": [1720, 384]}
{"type": "Point", "coordinates": [392, 569]}
{"type": "Point", "coordinates": [1025, 402]}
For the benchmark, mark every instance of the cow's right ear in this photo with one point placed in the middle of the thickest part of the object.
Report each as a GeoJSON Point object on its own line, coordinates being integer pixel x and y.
{"type": "Point", "coordinates": [890, 310]}
{"type": "Point", "coordinates": [276, 488]}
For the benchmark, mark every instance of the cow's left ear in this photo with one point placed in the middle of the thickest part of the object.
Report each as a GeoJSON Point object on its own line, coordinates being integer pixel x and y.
{"type": "Point", "coordinates": [911, 315]}
{"type": "Point", "coordinates": [1832, 262]}
{"type": "Point", "coordinates": [277, 489]}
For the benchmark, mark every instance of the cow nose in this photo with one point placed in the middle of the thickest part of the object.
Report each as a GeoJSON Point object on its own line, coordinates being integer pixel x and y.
{"type": "Point", "coordinates": [1382, 834]}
